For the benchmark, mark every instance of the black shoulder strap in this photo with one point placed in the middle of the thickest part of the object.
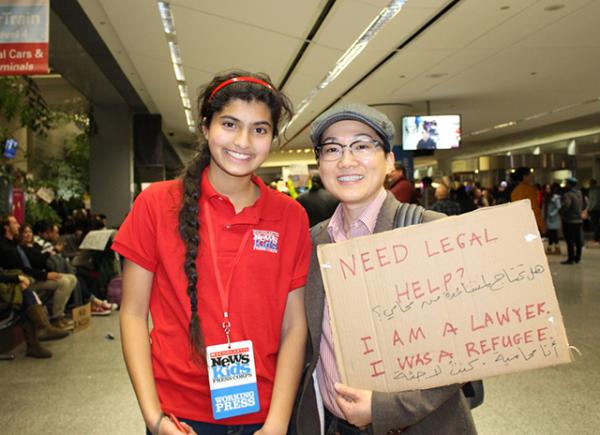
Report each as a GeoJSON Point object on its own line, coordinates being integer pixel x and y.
{"type": "Point", "coordinates": [408, 214]}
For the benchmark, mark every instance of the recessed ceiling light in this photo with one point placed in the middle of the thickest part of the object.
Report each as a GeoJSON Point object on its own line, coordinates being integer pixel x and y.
{"type": "Point", "coordinates": [102, 23]}
{"type": "Point", "coordinates": [532, 73]}
{"type": "Point", "coordinates": [504, 8]}
{"type": "Point", "coordinates": [436, 75]}
{"type": "Point", "coordinates": [553, 8]}
{"type": "Point", "coordinates": [402, 76]}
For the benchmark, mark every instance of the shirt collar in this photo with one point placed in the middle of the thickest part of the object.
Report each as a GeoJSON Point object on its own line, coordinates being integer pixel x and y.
{"type": "Point", "coordinates": [363, 226]}
{"type": "Point", "coordinates": [251, 214]}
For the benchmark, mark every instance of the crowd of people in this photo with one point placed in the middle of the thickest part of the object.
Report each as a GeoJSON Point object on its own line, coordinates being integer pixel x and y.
{"type": "Point", "coordinates": [566, 209]}
{"type": "Point", "coordinates": [42, 276]}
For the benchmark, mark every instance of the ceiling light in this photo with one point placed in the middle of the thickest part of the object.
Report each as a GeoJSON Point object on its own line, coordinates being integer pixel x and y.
{"type": "Point", "coordinates": [167, 17]}
{"type": "Point", "coordinates": [504, 8]}
{"type": "Point", "coordinates": [169, 28]}
{"type": "Point", "coordinates": [436, 75]}
{"type": "Point", "coordinates": [351, 53]}
{"type": "Point", "coordinates": [504, 125]}
{"type": "Point", "coordinates": [553, 8]}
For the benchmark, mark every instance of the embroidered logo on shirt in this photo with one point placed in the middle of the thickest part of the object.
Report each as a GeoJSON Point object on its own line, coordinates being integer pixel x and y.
{"type": "Point", "coordinates": [265, 240]}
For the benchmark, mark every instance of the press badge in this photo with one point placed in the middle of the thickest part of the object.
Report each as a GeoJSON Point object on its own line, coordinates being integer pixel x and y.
{"type": "Point", "coordinates": [232, 379]}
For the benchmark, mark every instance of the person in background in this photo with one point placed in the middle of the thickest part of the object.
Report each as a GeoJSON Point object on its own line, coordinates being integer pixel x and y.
{"type": "Point", "coordinates": [352, 147]}
{"type": "Point", "coordinates": [552, 205]}
{"type": "Point", "coordinates": [526, 190]}
{"type": "Point", "coordinates": [502, 196]}
{"type": "Point", "coordinates": [14, 290]}
{"type": "Point", "coordinates": [427, 193]}
{"type": "Point", "coordinates": [14, 255]}
{"type": "Point", "coordinates": [400, 186]}
{"type": "Point", "coordinates": [444, 204]}
{"type": "Point", "coordinates": [479, 198]}
{"type": "Point", "coordinates": [572, 205]}
{"type": "Point", "coordinates": [593, 208]}
{"type": "Point", "coordinates": [318, 202]}
{"type": "Point", "coordinates": [465, 200]}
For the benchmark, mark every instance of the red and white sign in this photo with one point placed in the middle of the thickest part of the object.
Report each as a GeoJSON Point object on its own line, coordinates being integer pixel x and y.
{"type": "Point", "coordinates": [24, 37]}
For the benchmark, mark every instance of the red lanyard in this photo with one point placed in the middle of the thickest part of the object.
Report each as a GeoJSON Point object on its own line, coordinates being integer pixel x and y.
{"type": "Point", "coordinates": [224, 291]}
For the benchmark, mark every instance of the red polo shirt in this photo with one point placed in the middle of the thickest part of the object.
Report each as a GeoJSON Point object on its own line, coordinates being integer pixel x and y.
{"type": "Point", "coordinates": [274, 261]}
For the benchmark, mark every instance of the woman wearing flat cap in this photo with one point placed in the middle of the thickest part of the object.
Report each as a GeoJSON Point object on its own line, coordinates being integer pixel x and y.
{"type": "Point", "coordinates": [353, 149]}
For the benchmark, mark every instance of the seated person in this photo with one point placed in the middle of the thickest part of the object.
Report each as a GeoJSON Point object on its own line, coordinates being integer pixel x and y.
{"type": "Point", "coordinates": [13, 256]}
{"type": "Point", "coordinates": [15, 291]}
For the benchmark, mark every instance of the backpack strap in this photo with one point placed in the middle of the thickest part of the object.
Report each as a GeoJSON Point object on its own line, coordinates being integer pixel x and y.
{"type": "Point", "coordinates": [408, 214]}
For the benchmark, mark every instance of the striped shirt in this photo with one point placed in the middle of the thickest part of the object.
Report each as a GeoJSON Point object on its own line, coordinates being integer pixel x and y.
{"type": "Point", "coordinates": [327, 372]}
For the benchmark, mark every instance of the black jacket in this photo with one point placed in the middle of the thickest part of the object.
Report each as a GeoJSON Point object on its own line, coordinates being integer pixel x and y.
{"type": "Point", "coordinates": [10, 259]}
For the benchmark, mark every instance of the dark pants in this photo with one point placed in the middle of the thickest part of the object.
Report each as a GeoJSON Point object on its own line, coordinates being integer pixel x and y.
{"type": "Point", "coordinates": [219, 429]}
{"type": "Point", "coordinates": [595, 220]}
{"type": "Point", "coordinates": [573, 236]}
{"type": "Point", "coordinates": [552, 237]}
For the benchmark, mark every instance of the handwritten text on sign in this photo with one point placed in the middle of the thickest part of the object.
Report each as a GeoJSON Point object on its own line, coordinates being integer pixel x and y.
{"type": "Point", "coordinates": [450, 301]}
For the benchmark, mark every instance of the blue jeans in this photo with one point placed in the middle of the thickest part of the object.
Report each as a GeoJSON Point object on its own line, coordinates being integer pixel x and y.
{"type": "Point", "coordinates": [219, 429]}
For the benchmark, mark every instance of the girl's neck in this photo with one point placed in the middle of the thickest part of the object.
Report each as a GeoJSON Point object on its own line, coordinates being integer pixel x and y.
{"type": "Point", "coordinates": [241, 191]}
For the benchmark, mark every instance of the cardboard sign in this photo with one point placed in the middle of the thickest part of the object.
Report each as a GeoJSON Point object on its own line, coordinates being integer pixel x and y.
{"type": "Point", "coordinates": [454, 300]}
{"type": "Point", "coordinates": [82, 317]}
{"type": "Point", "coordinates": [96, 240]}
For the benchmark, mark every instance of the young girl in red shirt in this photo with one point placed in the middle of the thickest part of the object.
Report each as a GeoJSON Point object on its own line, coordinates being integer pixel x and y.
{"type": "Point", "coordinates": [219, 261]}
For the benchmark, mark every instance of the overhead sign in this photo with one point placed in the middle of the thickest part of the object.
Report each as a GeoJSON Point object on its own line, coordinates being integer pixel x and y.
{"type": "Point", "coordinates": [454, 300]}
{"type": "Point", "coordinates": [24, 37]}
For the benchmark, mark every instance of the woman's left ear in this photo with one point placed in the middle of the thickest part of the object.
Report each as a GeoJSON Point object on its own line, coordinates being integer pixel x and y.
{"type": "Point", "coordinates": [204, 128]}
{"type": "Point", "coordinates": [389, 162]}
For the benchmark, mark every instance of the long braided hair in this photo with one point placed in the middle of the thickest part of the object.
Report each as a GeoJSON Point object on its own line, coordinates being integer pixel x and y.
{"type": "Point", "coordinates": [189, 224]}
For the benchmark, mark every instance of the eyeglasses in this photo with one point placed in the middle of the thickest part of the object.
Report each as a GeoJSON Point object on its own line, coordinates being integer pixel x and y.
{"type": "Point", "coordinates": [360, 149]}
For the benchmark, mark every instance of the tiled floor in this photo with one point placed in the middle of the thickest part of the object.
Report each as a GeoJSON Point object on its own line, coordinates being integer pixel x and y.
{"type": "Point", "coordinates": [84, 388]}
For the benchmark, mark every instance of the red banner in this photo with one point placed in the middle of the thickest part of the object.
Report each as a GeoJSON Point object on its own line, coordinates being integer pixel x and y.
{"type": "Point", "coordinates": [24, 58]}
{"type": "Point", "coordinates": [24, 37]}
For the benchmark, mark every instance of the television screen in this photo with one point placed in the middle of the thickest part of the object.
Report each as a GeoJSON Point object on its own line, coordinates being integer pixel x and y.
{"type": "Point", "coordinates": [430, 132]}
{"type": "Point", "coordinates": [10, 148]}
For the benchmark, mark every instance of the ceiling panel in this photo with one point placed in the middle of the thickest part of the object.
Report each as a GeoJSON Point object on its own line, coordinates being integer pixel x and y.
{"type": "Point", "coordinates": [577, 27]}
{"type": "Point", "coordinates": [345, 23]}
{"type": "Point", "coordinates": [250, 48]}
{"type": "Point", "coordinates": [292, 18]}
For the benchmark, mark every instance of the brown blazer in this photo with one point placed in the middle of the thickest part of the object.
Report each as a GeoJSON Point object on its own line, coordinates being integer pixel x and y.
{"type": "Point", "coordinates": [433, 411]}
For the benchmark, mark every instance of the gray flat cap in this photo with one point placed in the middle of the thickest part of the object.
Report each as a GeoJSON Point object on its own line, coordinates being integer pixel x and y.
{"type": "Point", "coordinates": [355, 112]}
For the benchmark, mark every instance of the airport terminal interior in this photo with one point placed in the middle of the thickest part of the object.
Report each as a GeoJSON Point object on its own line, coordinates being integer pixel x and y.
{"type": "Point", "coordinates": [477, 91]}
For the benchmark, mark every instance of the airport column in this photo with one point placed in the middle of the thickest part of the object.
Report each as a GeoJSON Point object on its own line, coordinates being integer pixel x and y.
{"type": "Point", "coordinates": [111, 162]}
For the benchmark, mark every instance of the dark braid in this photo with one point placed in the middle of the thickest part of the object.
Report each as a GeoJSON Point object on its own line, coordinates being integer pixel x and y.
{"type": "Point", "coordinates": [189, 223]}
{"type": "Point", "coordinates": [188, 229]}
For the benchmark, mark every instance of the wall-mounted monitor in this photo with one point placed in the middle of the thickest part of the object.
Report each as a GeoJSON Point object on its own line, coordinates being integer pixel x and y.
{"type": "Point", "coordinates": [430, 132]}
{"type": "Point", "coordinates": [10, 148]}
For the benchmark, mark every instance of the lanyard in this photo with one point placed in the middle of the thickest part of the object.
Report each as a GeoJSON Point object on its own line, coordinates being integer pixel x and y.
{"type": "Point", "coordinates": [224, 291]}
